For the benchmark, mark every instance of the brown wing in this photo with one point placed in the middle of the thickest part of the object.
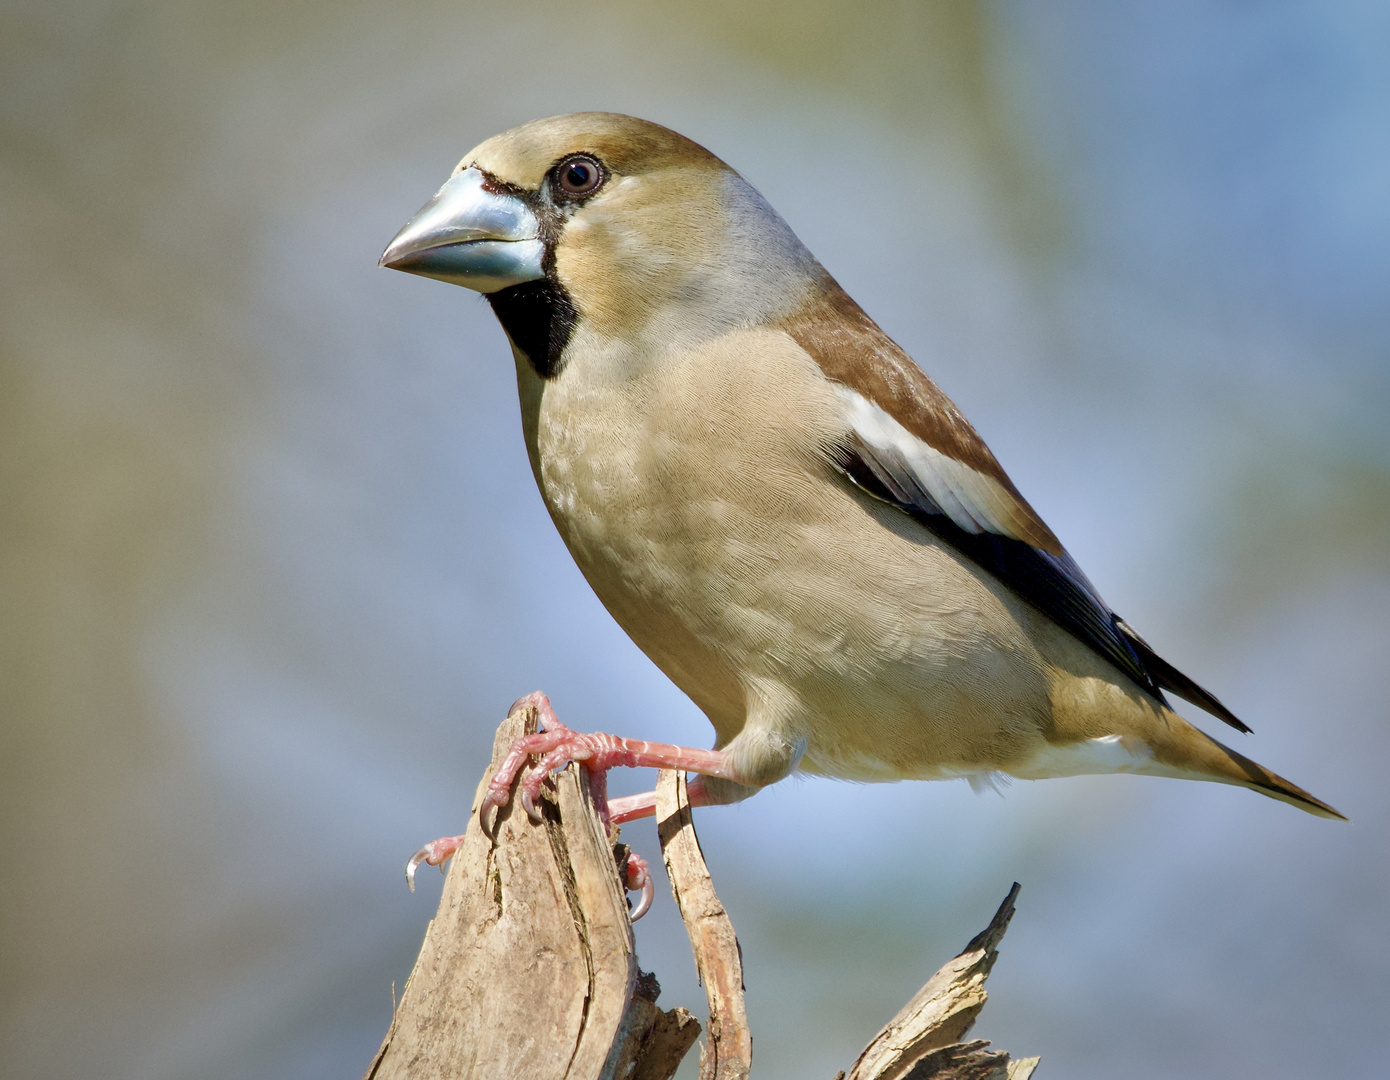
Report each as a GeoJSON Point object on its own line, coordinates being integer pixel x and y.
{"type": "Point", "coordinates": [910, 446]}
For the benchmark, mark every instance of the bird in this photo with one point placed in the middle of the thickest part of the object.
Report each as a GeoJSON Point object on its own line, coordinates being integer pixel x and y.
{"type": "Point", "coordinates": [778, 506]}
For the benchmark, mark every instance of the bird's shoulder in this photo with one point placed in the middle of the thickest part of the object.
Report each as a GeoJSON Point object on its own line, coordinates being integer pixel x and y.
{"type": "Point", "coordinates": [890, 400]}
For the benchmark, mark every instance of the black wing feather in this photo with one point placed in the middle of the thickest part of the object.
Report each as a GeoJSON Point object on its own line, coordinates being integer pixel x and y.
{"type": "Point", "coordinates": [1053, 584]}
{"type": "Point", "coordinates": [1170, 678]}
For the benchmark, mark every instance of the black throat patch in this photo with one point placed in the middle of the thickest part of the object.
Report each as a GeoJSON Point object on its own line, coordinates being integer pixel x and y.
{"type": "Point", "coordinates": [539, 317]}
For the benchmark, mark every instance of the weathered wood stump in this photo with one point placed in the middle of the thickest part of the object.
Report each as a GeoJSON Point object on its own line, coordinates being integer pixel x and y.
{"type": "Point", "coordinates": [528, 970]}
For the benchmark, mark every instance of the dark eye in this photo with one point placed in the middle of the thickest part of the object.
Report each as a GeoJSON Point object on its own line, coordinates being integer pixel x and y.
{"type": "Point", "coordinates": [578, 175]}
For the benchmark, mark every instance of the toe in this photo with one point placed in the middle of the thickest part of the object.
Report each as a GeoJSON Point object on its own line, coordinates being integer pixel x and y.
{"type": "Point", "coordinates": [639, 877]}
{"type": "Point", "coordinates": [434, 853]}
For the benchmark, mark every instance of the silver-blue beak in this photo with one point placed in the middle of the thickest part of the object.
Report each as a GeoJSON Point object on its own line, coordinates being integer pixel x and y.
{"type": "Point", "coordinates": [469, 236]}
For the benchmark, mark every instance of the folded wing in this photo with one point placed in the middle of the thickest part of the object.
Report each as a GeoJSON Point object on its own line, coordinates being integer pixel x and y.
{"type": "Point", "coordinates": [909, 446]}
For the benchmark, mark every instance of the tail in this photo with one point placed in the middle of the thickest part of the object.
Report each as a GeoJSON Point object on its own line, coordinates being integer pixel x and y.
{"type": "Point", "coordinates": [1192, 754]}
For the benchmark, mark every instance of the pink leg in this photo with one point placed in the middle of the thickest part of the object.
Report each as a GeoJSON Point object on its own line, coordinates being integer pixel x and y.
{"type": "Point", "coordinates": [634, 807]}
{"type": "Point", "coordinates": [557, 746]}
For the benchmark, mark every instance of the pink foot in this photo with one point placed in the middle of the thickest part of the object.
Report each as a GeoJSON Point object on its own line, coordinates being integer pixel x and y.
{"type": "Point", "coordinates": [557, 746]}
{"type": "Point", "coordinates": [638, 877]}
{"type": "Point", "coordinates": [436, 852]}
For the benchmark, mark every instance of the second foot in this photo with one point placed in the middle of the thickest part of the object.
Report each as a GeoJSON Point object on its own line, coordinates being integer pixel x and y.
{"type": "Point", "coordinates": [637, 876]}
{"type": "Point", "coordinates": [435, 853]}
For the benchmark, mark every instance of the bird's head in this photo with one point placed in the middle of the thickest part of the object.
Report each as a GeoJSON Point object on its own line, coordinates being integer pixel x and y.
{"type": "Point", "coordinates": [610, 227]}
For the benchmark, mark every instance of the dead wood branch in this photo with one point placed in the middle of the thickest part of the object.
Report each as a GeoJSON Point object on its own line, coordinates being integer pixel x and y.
{"type": "Point", "coordinates": [727, 1053]}
{"type": "Point", "coordinates": [528, 969]}
{"type": "Point", "coordinates": [924, 1039]}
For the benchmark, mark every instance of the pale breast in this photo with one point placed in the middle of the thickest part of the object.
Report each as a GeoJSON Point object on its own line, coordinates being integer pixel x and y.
{"type": "Point", "coordinates": [696, 498]}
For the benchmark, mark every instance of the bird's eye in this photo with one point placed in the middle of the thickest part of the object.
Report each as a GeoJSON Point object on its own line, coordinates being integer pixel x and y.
{"type": "Point", "coordinates": [578, 176]}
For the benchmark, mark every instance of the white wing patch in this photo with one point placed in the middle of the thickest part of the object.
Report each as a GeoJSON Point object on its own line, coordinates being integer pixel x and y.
{"type": "Point", "coordinates": [975, 502]}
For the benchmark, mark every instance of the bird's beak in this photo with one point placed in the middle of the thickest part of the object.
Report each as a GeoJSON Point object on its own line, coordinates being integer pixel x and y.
{"type": "Point", "coordinates": [470, 236]}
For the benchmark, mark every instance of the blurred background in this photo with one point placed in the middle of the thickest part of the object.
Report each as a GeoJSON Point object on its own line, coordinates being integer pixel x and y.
{"type": "Point", "coordinates": [272, 563]}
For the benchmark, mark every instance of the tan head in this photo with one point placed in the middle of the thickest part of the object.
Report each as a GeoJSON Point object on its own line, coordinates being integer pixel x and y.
{"type": "Point", "coordinates": [610, 228]}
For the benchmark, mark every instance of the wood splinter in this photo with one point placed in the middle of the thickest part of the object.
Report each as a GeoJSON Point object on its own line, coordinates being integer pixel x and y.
{"type": "Point", "coordinates": [529, 970]}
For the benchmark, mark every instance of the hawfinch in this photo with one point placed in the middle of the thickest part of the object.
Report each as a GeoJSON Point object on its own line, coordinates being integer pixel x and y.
{"type": "Point", "coordinates": [772, 499]}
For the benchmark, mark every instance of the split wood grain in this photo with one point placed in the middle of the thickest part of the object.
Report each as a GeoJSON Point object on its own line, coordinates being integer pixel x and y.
{"type": "Point", "coordinates": [727, 1052]}
{"type": "Point", "coordinates": [923, 1042]}
{"type": "Point", "coordinates": [528, 969]}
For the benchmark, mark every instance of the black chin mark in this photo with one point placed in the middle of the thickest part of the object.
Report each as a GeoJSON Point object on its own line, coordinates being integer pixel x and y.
{"type": "Point", "coordinates": [539, 318]}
